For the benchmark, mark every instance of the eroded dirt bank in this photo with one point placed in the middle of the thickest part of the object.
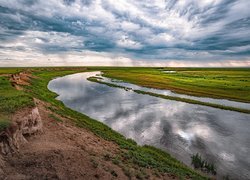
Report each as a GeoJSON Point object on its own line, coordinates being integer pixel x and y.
{"type": "Point", "coordinates": [41, 144]}
{"type": "Point", "coordinates": [40, 147]}
{"type": "Point", "coordinates": [36, 146]}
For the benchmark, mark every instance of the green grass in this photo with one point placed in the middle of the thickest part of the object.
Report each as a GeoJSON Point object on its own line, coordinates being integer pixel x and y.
{"type": "Point", "coordinates": [191, 101]}
{"type": "Point", "coordinates": [4, 123]}
{"type": "Point", "coordinates": [11, 100]}
{"type": "Point", "coordinates": [96, 79]}
{"type": "Point", "coordinates": [55, 118]}
{"type": "Point", "coordinates": [142, 156]}
{"type": "Point", "coordinates": [202, 164]}
{"type": "Point", "coordinates": [10, 70]}
{"type": "Point", "coordinates": [228, 83]}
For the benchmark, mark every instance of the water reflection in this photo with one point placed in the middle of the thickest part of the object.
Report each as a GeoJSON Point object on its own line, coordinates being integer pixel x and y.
{"type": "Point", "coordinates": [224, 102]}
{"type": "Point", "coordinates": [180, 128]}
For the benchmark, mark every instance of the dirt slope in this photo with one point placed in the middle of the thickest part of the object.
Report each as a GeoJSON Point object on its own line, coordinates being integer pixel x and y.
{"type": "Point", "coordinates": [39, 146]}
{"type": "Point", "coordinates": [62, 151]}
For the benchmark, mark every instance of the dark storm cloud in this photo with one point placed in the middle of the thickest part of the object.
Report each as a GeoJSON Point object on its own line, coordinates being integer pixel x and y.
{"type": "Point", "coordinates": [184, 29]}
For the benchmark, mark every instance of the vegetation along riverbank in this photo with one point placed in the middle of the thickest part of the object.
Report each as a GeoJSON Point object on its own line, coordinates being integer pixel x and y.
{"type": "Point", "coordinates": [41, 138]}
{"type": "Point", "coordinates": [222, 83]}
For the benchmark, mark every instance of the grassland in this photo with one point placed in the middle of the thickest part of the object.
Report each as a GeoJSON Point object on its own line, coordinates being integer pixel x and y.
{"type": "Point", "coordinates": [141, 156]}
{"type": "Point", "coordinates": [10, 99]}
{"type": "Point", "coordinates": [226, 83]}
{"type": "Point", "coordinates": [191, 101]}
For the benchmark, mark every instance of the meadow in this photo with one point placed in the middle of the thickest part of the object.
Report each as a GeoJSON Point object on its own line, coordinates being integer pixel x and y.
{"type": "Point", "coordinates": [10, 99]}
{"type": "Point", "coordinates": [224, 83]}
{"type": "Point", "coordinates": [190, 101]}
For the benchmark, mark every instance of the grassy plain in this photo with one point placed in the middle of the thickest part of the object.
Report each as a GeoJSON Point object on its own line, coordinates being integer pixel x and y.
{"type": "Point", "coordinates": [191, 101]}
{"type": "Point", "coordinates": [132, 154]}
{"type": "Point", "coordinates": [10, 99]}
{"type": "Point", "coordinates": [226, 83]}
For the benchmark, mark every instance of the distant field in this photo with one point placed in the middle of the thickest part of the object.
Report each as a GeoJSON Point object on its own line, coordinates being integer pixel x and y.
{"type": "Point", "coordinates": [228, 83]}
{"type": "Point", "coordinates": [10, 70]}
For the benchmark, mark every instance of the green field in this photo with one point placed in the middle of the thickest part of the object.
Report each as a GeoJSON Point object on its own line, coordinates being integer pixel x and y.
{"type": "Point", "coordinates": [10, 99]}
{"type": "Point", "coordinates": [226, 83]}
{"type": "Point", "coordinates": [131, 154]}
{"type": "Point", "coordinates": [190, 101]}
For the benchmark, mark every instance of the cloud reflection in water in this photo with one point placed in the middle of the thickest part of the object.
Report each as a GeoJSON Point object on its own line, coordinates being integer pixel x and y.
{"type": "Point", "coordinates": [180, 128]}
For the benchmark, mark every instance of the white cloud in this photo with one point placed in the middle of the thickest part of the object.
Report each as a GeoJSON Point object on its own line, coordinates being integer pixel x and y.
{"type": "Point", "coordinates": [129, 26]}
{"type": "Point", "coordinates": [126, 42]}
{"type": "Point", "coordinates": [32, 40]}
{"type": "Point", "coordinates": [163, 39]}
{"type": "Point", "coordinates": [90, 58]}
{"type": "Point", "coordinates": [177, 26]}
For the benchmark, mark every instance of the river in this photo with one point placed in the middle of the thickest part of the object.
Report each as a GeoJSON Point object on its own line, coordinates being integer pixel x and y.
{"type": "Point", "coordinates": [220, 136]}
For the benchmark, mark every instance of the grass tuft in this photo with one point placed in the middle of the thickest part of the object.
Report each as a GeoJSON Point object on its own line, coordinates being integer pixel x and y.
{"type": "Point", "coordinates": [203, 165]}
{"type": "Point", "coordinates": [4, 123]}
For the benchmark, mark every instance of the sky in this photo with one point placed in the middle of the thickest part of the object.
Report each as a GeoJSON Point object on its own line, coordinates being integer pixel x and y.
{"type": "Point", "coordinates": [125, 33]}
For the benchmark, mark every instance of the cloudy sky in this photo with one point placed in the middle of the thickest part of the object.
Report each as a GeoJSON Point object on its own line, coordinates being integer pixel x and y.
{"type": "Point", "coordinates": [125, 32]}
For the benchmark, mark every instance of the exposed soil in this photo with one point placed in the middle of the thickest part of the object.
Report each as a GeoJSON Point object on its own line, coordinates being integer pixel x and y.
{"type": "Point", "coordinates": [6, 75]}
{"type": "Point", "coordinates": [20, 79]}
{"type": "Point", "coordinates": [62, 151]}
{"type": "Point", "coordinates": [37, 146]}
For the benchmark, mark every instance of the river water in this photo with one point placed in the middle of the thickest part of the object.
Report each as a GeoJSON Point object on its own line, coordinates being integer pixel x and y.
{"type": "Point", "coordinates": [221, 137]}
{"type": "Point", "coordinates": [224, 102]}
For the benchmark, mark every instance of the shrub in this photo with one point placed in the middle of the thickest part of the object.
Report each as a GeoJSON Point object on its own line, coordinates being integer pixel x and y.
{"type": "Point", "coordinates": [203, 165]}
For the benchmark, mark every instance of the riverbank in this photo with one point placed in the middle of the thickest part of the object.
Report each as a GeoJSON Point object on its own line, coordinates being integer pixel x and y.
{"type": "Point", "coordinates": [191, 101]}
{"type": "Point", "coordinates": [221, 83]}
{"type": "Point", "coordinates": [120, 158]}
{"type": "Point", "coordinates": [181, 129]}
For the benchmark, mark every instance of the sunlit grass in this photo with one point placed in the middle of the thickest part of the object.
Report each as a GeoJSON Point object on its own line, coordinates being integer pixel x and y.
{"type": "Point", "coordinates": [225, 83]}
{"type": "Point", "coordinates": [191, 101]}
{"type": "Point", "coordinates": [11, 100]}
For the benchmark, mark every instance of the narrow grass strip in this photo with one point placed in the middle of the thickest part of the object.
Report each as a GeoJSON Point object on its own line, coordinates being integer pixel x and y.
{"type": "Point", "coordinates": [190, 101]}
{"type": "Point", "coordinates": [132, 154]}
